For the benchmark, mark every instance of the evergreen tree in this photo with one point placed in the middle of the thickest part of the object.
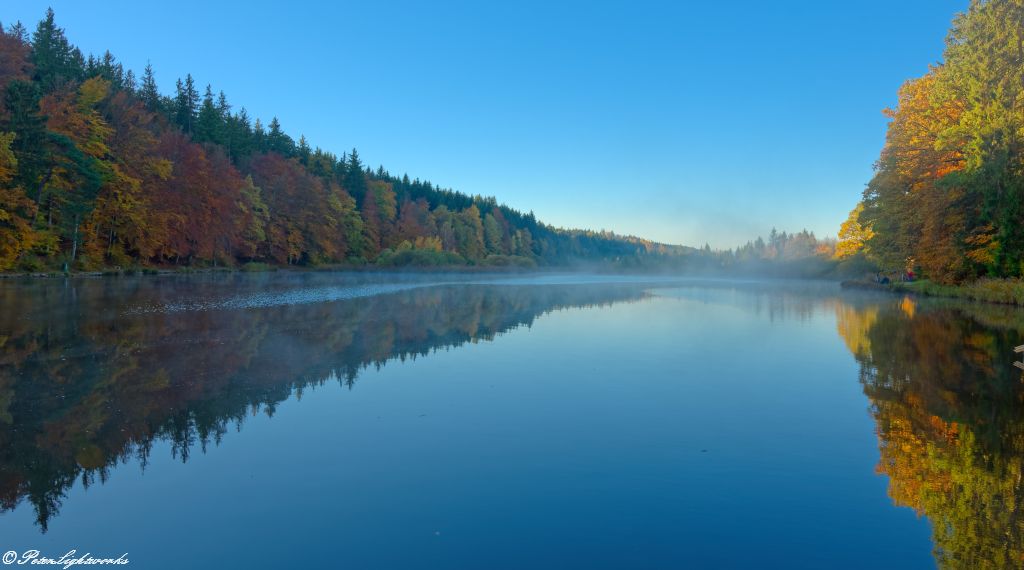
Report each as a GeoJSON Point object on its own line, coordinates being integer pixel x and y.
{"type": "Point", "coordinates": [109, 69]}
{"type": "Point", "coordinates": [278, 141]}
{"type": "Point", "coordinates": [240, 136]}
{"type": "Point", "coordinates": [21, 102]}
{"type": "Point", "coordinates": [303, 150]}
{"type": "Point", "coordinates": [185, 104]}
{"type": "Point", "coordinates": [149, 93]}
{"type": "Point", "coordinates": [55, 61]}
{"type": "Point", "coordinates": [19, 31]}
{"type": "Point", "coordinates": [259, 137]}
{"type": "Point", "coordinates": [208, 124]}
{"type": "Point", "coordinates": [223, 108]}
{"type": "Point", "coordinates": [355, 178]}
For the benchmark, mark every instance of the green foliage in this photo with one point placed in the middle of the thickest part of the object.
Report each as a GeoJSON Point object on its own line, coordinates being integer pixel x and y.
{"type": "Point", "coordinates": [948, 196]}
{"type": "Point", "coordinates": [498, 260]}
{"type": "Point", "coordinates": [418, 258]}
{"type": "Point", "coordinates": [855, 266]}
{"type": "Point", "coordinates": [186, 102]}
{"type": "Point", "coordinates": [256, 267]}
{"type": "Point", "coordinates": [55, 60]}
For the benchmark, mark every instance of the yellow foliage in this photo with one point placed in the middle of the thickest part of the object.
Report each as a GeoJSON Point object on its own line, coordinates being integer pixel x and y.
{"type": "Point", "coordinates": [16, 234]}
{"type": "Point", "coordinates": [852, 235]}
{"type": "Point", "coordinates": [75, 116]}
{"type": "Point", "coordinates": [853, 326]}
{"type": "Point", "coordinates": [908, 306]}
{"type": "Point", "coordinates": [8, 163]}
{"type": "Point", "coordinates": [914, 140]}
{"type": "Point", "coordinates": [432, 243]}
{"type": "Point", "coordinates": [983, 245]}
{"type": "Point", "coordinates": [91, 92]}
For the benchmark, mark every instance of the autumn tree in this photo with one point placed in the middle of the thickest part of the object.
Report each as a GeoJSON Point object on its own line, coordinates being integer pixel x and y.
{"type": "Point", "coordinates": [16, 235]}
{"type": "Point", "coordinates": [949, 187]}
{"type": "Point", "coordinates": [15, 63]}
{"type": "Point", "coordinates": [852, 235]}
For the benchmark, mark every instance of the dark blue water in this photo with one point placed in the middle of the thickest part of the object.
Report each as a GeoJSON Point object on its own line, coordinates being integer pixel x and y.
{"type": "Point", "coordinates": [442, 422]}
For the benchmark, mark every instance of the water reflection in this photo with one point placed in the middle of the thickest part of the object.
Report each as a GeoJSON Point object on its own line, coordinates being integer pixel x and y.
{"type": "Point", "coordinates": [949, 410]}
{"type": "Point", "coordinates": [87, 382]}
{"type": "Point", "coordinates": [93, 373]}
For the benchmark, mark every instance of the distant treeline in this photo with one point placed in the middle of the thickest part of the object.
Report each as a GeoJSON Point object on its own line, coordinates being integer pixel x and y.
{"type": "Point", "coordinates": [947, 198]}
{"type": "Point", "coordinates": [99, 169]}
{"type": "Point", "coordinates": [798, 255]}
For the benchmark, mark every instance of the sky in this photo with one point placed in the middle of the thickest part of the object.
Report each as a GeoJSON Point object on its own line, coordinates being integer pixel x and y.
{"type": "Point", "coordinates": [684, 122]}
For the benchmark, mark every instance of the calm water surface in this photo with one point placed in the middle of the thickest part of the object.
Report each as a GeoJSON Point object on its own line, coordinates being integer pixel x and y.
{"type": "Point", "coordinates": [283, 420]}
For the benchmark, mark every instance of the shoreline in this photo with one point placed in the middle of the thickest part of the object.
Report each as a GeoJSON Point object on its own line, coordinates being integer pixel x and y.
{"type": "Point", "coordinates": [148, 271]}
{"type": "Point", "coordinates": [1008, 292]}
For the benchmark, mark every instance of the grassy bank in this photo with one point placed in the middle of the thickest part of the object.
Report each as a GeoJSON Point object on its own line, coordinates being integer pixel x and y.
{"type": "Point", "coordinates": [1004, 291]}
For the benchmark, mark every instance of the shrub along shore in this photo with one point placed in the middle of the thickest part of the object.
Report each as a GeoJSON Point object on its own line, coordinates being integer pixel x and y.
{"type": "Point", "coordinates": [1008, 291]}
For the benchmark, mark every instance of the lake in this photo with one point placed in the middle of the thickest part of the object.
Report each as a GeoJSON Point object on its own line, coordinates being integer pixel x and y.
{"type": "Point", "coordinates": [444, 421]}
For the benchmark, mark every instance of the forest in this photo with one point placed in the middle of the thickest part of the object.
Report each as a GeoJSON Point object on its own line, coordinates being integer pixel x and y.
{"type": "Point", "coordinates": [98, 169]}
{"type": "Point", "coordinates": [947, 197]}
{"type": "Point", "coordinates": [101, 171]}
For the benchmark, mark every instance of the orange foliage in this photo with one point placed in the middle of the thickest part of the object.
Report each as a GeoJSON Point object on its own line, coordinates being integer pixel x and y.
{"type": "Point", "coordinates": [913, 139]}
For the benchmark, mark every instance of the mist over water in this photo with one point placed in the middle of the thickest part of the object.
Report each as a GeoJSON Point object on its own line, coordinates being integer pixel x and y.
{"type": "Point", "coordinates": [379, 421]}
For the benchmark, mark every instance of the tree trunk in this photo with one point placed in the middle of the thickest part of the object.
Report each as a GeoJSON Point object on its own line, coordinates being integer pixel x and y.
{"type": "Point", "coordinates": [74, 242]}
{"type": "Point", "coordinates": [42, 184]}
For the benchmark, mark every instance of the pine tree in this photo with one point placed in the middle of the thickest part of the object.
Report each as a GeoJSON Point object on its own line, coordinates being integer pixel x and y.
{"type": "Point", "coordinates": [185, 104]}
{"type": "Point", "coordinates": [240, 135]}
{"type": "Point", "coordinates": [21, 102]}
{"type": "Point", "coordinates": [19, 31]}
{"type": "Point", "coordinates": [223, 108]}
{"type": "Point", "coordinates": [110, 69]}
{"type": "Point", "coordinates": [355, 178]}
{"type": "Point", "coordinates": [148, 93]}
{"type": "Point", "coordinates": [278, 141]}
{"type": "Point", "coordinates": [304, 150]}
{"type": "Point", "coordinates": [55, 61]}
{"type": "Point", "coordinates": [259, 137]}
{"type": "Point", "coordinates": [209, 122]}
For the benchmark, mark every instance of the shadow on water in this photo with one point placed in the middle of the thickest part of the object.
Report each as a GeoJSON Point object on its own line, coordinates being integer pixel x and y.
{"type": "Point", "coordinates": [87, 381]}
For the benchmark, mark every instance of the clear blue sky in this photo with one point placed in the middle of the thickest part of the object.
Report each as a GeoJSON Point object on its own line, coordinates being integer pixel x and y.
{"type": "Point", "coordinates": [684, 122]}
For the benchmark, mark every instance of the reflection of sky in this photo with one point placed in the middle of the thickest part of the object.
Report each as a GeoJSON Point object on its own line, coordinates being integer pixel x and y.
{"type": "Point", "coordinates": [696, 427]}
{"type": "Point", "coordinates": [684, 122]}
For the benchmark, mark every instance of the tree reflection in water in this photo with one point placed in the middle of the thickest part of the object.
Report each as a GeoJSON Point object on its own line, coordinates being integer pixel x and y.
{"type": "Point", "coordinates": [87, 383]}
{"type": "Point", "coordinates": [949, 409]}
